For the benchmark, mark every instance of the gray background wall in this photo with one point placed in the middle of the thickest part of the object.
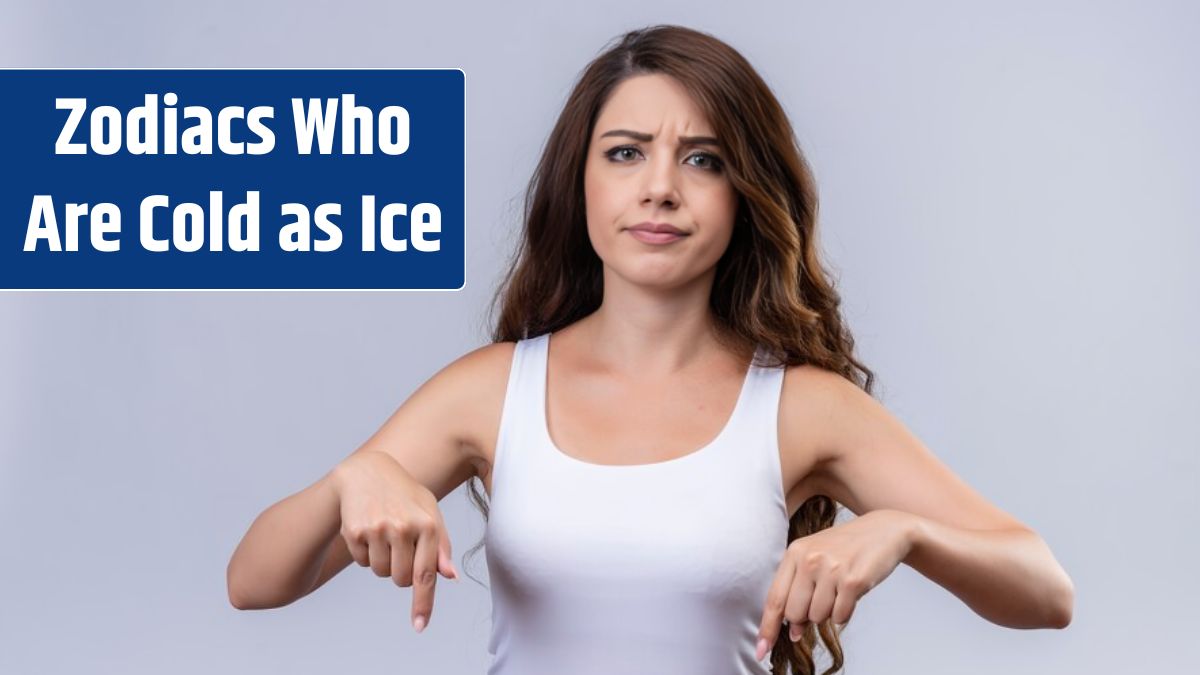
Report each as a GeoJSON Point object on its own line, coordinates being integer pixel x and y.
{"type": "Point", "coordinates": [1008, 195]}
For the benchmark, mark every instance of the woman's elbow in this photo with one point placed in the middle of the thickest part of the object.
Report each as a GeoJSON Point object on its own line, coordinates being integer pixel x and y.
{"type": "Point", "coordinates": [1064, 606]}
{"type": "Point", "coordinates": [244, 601]}
{"type": "Point", "coordinates": [238, 597]}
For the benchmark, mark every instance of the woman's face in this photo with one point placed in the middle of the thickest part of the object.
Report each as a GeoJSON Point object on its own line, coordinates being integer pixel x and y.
{"type": "Point", "coordinates": [653, 158]}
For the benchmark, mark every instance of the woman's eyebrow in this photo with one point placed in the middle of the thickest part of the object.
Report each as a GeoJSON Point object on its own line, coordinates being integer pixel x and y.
{"type": "Point", "coordinates": [646, 138]}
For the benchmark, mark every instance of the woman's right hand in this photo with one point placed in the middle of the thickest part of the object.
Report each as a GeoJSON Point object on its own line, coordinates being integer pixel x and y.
{"type": "Point", "coordinates": [392, 524]}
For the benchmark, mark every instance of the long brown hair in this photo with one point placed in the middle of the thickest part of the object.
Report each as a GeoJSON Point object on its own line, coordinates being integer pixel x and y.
{"type": "Point", "coordinates": [770, 286]}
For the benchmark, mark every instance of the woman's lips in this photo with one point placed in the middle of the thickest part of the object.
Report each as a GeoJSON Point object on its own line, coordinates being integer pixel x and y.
{"type": "Point", "coordinates": [655, 237]}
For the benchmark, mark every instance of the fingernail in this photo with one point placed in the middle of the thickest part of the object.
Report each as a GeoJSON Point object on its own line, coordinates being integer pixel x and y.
{"type": "Point", "coordinates": [419, 623]}
{"type": "Point", "coordinates": [761, 651]}
{"type": "Point", "coordinates": [794, 633]}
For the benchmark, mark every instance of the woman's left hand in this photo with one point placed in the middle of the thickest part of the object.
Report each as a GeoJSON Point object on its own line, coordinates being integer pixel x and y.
{"type": "Point", "coordinates": [824, 574]}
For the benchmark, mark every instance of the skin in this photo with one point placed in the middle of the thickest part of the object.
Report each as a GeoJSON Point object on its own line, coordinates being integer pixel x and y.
{"type": "Point", "coordinates": [617, 375]}
{"type": "Point", "coordinates": [643, 379]}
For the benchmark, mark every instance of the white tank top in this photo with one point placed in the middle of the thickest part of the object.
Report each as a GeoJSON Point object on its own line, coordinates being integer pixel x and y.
{"type": "Point", "coordinates": [645, 569]}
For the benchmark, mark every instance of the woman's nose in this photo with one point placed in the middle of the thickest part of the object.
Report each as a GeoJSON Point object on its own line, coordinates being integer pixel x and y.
{"type": "Point", "coordinates": [660, 179]}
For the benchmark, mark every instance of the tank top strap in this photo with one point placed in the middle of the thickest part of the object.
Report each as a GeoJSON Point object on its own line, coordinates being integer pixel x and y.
{"type": "Point", "coordinates": [746, 452]}
{"type": "Point", "coordinates": [757, 456]}
{"type": "Point", "coordinates": [521, 415]}
{"type": "Point", "coordinates": [764, 386]}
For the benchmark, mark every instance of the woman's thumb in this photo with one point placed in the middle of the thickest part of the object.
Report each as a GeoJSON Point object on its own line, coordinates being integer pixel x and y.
{"type": "Point", "coordinates": [445, 558]}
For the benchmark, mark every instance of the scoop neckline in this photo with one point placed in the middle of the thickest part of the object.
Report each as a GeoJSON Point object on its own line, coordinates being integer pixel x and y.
{"type": "Point", "coordinates": [705, 449]}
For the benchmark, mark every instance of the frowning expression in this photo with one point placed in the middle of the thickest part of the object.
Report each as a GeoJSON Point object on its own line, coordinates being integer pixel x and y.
{"type": "Point", "coordinates": [654, 159]}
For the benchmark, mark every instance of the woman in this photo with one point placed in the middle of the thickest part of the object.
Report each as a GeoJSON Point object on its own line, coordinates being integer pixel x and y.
{"type": "Point", "coordinates": [667, 418]}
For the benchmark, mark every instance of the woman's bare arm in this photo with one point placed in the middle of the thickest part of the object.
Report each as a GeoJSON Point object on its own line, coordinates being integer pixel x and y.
{"type": "Point", "coordinates": [278, 560]}
{"type": "Point", "coordinates": [293, 547]}
{"type": "Point", "coordinates": [871, 461]}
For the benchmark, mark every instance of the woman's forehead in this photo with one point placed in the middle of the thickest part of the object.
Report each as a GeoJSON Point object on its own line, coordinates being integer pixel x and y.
{"type": "Point", "coordinates": [652, 104]}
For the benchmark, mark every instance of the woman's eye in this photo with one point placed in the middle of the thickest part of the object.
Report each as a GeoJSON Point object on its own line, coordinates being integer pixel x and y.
{"type": "Point", "coordinates": [619, 151]}
{"type": "Point", "coordinates": [709, 161]}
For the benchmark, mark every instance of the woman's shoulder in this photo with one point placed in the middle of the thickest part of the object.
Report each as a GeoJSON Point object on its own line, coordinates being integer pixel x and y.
{"type": "Point", "coordinates": [479, 380]}
{"type": "Point", "coordinates": [488, 354]}
{"type": "Point", "coordinates": [480, 369]}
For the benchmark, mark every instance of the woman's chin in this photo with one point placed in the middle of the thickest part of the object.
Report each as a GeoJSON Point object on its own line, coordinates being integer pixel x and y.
{"type": "Point", "coordinates": [655, 277]}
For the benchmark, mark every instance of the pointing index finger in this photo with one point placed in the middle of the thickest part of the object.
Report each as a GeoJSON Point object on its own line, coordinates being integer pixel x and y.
{"type": "Point", "coordinates": [425, 565]}
{"type": "Point", "coordinates": [772, 619]}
